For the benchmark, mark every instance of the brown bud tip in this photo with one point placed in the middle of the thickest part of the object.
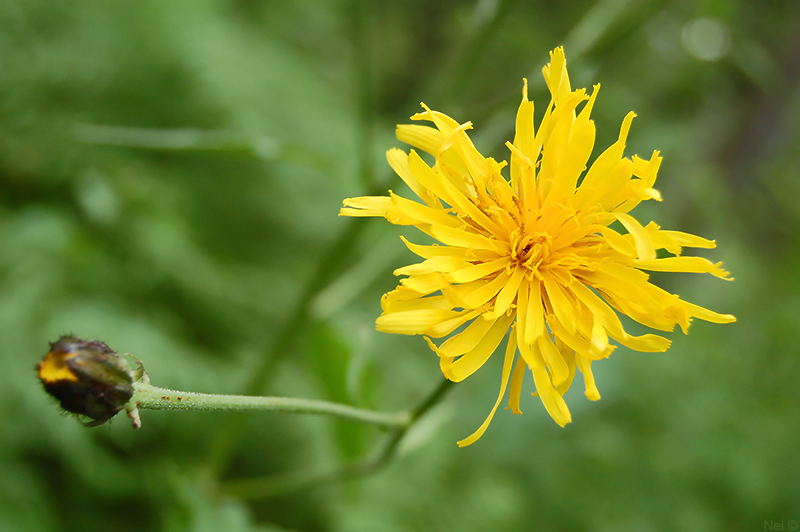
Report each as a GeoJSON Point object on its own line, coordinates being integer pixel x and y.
{"type": "Point", "coordinates": [87, 378]}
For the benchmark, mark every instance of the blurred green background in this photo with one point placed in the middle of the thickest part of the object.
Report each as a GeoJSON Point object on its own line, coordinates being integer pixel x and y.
{"type": "Point", "coordinates": [170, 177]}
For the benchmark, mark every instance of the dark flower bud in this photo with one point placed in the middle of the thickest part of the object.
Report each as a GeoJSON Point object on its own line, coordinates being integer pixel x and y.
{"type": "Point", "coordinates": [87, 378]}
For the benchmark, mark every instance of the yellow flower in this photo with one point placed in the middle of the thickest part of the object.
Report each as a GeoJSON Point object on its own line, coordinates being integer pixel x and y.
{"type": "Point", "coordinates": [543, 253]}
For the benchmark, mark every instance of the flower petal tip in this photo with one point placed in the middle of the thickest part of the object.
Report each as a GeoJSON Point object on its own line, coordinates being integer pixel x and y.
{"type": "Point", "coordinates": [592, 395]}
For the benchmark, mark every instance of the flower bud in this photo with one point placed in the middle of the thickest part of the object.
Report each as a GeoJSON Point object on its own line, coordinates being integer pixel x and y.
{"type": "Point", "coordinates": [87, 378]}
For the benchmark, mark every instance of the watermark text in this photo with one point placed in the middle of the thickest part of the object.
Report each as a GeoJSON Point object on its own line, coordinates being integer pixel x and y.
{"type": "Point", "coordinates": [771, 524]}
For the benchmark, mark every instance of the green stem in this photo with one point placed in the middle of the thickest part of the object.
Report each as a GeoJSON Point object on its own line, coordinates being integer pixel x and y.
{"type": "Point", "coordinates": [283, 484]}
{"type": "Point", "coordinates": [151, 397]}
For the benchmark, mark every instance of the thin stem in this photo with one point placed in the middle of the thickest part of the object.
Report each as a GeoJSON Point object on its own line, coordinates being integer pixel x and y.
{"type": "Point", "coordinates": [151, 397]}
{"type": "Point", "coordinates": [275, 485]}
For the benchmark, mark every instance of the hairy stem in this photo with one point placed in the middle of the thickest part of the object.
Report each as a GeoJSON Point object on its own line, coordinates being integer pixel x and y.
{"type": "Point", "coordinates": [151, 397]}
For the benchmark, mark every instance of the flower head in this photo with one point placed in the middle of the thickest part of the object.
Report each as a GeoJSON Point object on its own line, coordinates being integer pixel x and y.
{"type": "Point", "coordinates": [547, 253]}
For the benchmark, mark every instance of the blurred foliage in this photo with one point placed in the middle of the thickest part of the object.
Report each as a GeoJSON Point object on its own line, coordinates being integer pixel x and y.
{"type": "Point", "coordinates": [170, 176]}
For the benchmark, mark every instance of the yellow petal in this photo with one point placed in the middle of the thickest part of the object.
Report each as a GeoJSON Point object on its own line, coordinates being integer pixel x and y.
{"type": "Point", "coordinates": [575, 156]}
{"type": "Point", "coordinates": [444, 328]}
{"type": "Point", "coordinates": [555, 75]}
{"type": "Point", "coordinates": [508, 360]}
{"type": "Point", "coordinates": [707, 315]}
{"type": "Point", "coordinates": [436, 264]}
{"type": "Point", "coordinates": [474, 359]}
{"type": "Point", "coordinates": [426, 138]}
{"type": "Point", "coordinates": [689, 240]}
{"type": "Point", "coordinates": [473, 272]}
{"type": "Point", "coordinates": [506, 296]}
{"type": "Point", "coordinates": [444, 123]}
{"type": "Point", "coordinates": [555, 149]}
{"type": "Point", "coordinates": [367, 206]}
{"type": "Point", "coordinates": [486, 291]}
{"type": "Point", "coordinates": [523, 139]}
{"type": "Point", "coordinates": [445, 189]}
{"type": "Point", "coordinates": [610, 321]}
{"type": "Point", "coordinates": [585, 365]}
{"type": "Point", "coordinates": [398, 160]}
{"type": "Point", "coordinates": [644, 246]}
{"type": "Point", "coordinates": [684, 264]}
{"type": "Point", "coordinates": [562, 306]}
{"type": "Point", "coordinates": [444, 362]}
{"type": "Point", "coordinates": [578, 343]}
{"type": "Point", "coordinates": [422, 214]}
{"type": "Point", "coordinates": [638, 190]}
{"type": "Point", "coordinates": [558, 369]}
{"type": "Point", "coordinates": [568, 355]}
{"type": "Point", "coordinates": [592, 183]}
{"type": "Point", "coordinates": [391, 305]}
{"type": "Point", "coordinates": [552, 400]}
{"type": "Point", "coordinates": [429, 252]}
{"type": "Point", "coordinates": [646, 343]}
{"type": "Point", "coordinates": [428, 177]}
{"type": "Point", "coordinates": [414, 321]}
{"type": "Point", "coordinates": [515, 386]}
{"type": "Point", "coordinates": [599, 339]}
{"type": "Point", "coordinates": [615, 186]}
{"type": "Point", "coordinates": [534, 319]}
{"type": "Point", "coordinates": [468, 239]}
{"type": "Point", "coordinates": [623, 272]}
{"type": "Point", "coordinates": [425, 283]}
{"type": "Point", "coordinates": [639, 301]}
{"type": "Point", "coordinates": [466, 340]}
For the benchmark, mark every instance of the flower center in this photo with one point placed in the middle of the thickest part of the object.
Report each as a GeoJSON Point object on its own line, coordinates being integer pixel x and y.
{"type": "Point", "coordinates": [530, 249]}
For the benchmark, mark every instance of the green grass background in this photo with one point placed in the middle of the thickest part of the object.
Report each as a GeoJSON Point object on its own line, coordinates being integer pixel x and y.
{"type": "Point", "coordinates": [170, 177]}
